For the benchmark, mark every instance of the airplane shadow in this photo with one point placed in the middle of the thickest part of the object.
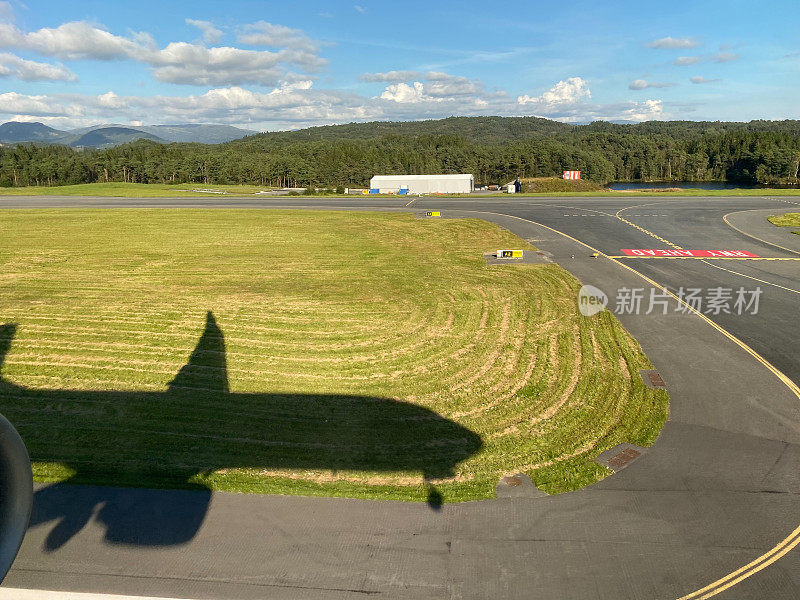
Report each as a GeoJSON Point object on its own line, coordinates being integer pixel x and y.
{"type": "Point", "coordinates": [198, 426]}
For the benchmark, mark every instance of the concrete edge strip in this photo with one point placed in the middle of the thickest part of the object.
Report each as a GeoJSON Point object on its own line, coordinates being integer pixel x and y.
{"type": "Point", "coordinates": [21, 594]}
{"type": "Point", "coordinates": [620, 456]}
{"type": "Point", "coordinates": [652, 379]}
{"type": "Point", "coordinates": [793, 539]}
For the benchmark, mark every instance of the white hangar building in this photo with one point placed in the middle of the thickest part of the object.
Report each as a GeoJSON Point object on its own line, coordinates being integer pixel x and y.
{"type": "Point", "coordinates": [423, 184]}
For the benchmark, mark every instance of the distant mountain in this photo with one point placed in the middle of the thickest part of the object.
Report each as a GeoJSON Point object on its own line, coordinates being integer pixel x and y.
{"type": "Point", "coordinates": [16, 131]}
{"type": "Point", "coordinates": [197, 132]}
{"type": "Point", "coordinates": [107, 135]}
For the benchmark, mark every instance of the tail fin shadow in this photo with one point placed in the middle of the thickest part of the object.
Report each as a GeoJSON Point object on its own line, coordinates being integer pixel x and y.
{"type": "Point", "coordinates": [207, 368]}
{"type": "Point", "coordinates": [7, 332]}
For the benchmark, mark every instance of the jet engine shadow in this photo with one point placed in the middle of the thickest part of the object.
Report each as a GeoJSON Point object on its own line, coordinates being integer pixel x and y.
{"type": "Point", "coordinates": [197, 426]}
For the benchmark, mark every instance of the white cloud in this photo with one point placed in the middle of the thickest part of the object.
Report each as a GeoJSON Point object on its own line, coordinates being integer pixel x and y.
{"type": "Point", "coordinates": [452, 89]}
{"type": "Point", "coordinates": [110, 100]}
{"type": "Point", "coordinates": [299, 104]}
{"type": "Point", "coordinates": [29, 70]}
{"type": "Point", "coordinates": [306, 84]}
{"type": "Point", "coordinates": [725, 57]}
{"type": "Point", "coordinates": [570, 91]}
{"type": "Point", "coordinates": [720, 57]}
{"type": "Point", "coordinates": [391, 76]}
{"type": "Point", "coordinates": [185, 63]}
{"type": "Point", "coordinates": [444, 85]}
{"type": "Point", "coordinates": [73, 41]}
{"type": "Point", "coordinates": [6, 11]}
{"type": "Point", "coordinates": [641, 84]}
{"type": "Point", "coordinates": [271, 35]}
{"type": "Point", "coordinates": [648, 110]}
{"type": "Point", "coordinates": [671, 42]}
{"type": "Point", "coordinates": [439, 84]}
{"type": "Point", "coordinates": [178, 62]}
{"type": "Point", "coordinates": [698, 79]}
{"type": "Point", "coordinates": [438, 87]}
{"type": "Point", "coordinates": [211, 35]}
{"type": "Point", "coordinates": [36, 106]}
{"type": "Point", "coordinates": [441, 76]}
{"type": "Point", "coordinates": [404, 93]}
{"type": "Point", "coordinates": [359, 8]}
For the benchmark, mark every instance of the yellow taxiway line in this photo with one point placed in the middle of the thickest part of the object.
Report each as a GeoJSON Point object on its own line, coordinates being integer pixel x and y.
{"type": "Point", "coordinates": [643, 230]}
{"type": "Point", "coordinates": [750, 235]}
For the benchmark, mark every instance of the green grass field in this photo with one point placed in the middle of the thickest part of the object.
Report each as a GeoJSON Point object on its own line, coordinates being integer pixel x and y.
{"type": "Point", "coordinates": [786, 220]}
{"type": "Point", "coordinates": [319, 353]}
{"type": "Point", "coordinates": [154, 190]}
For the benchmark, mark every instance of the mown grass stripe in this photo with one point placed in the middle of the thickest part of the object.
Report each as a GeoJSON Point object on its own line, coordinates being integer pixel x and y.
{"type": "Point", "coordinates": [328, 320]}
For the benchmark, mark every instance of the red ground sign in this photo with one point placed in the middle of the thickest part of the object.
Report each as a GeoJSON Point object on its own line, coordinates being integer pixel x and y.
{"type": "Point", "coordinates": [703, 253]}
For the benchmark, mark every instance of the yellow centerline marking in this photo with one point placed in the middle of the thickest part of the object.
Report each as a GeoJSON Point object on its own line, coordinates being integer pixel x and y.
{"type": "Point", "coordinates": [763, 561]}
{"type": "Point", "coordinates": [643, 230]}
{"type": "Point", "coordinates": [750, 235]}
{"type": "Point", "coordinates": [705, 259]}
{"type": "Point", "coordinates": [410, 202]}
{"type": "Point", "coordinates": [793, 539]}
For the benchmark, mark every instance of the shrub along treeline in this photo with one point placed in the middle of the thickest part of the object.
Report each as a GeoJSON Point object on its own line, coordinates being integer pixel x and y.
{"type": "Point", "coordinates": [494, 149]}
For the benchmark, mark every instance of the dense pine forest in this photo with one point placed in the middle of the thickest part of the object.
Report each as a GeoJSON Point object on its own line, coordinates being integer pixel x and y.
{"type": "Point", "coordinates": [494, 149]}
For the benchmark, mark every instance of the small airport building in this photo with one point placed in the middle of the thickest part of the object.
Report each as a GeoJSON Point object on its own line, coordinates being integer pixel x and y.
{"type": "Point", "coordinates": [422, 184]}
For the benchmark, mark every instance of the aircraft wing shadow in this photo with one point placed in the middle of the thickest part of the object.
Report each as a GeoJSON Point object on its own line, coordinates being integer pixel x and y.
{"type": "Point", "coordinates": [185, 430]}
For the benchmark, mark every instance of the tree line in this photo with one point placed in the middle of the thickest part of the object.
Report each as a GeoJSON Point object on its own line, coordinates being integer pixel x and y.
{"type": "Point", "coordinates": [494, 149]}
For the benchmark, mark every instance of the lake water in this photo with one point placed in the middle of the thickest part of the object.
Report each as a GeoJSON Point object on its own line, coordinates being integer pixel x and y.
{"type": "Point", "coordinates": [687, 185]}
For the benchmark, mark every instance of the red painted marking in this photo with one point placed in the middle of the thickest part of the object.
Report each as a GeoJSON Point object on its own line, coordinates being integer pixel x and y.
{"type": "Point", "coordinates": [703, 253]}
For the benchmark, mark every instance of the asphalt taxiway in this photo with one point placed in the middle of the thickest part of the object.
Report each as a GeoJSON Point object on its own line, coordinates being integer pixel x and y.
{"type": "Point", "coordinates": [713, 508]}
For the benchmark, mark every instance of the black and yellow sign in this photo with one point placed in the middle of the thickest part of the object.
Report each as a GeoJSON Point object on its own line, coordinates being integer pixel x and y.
{"type": "Point", "coordinates": [509, 254]}
{"type": "Point", "coordinates": [434, 213]}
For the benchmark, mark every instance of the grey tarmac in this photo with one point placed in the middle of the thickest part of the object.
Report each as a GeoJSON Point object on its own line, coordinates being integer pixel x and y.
{"type": "Point", "coordinates": [719, 489]}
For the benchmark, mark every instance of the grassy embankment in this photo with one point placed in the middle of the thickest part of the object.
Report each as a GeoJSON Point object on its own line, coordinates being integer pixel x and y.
{"type": "Point", "coordinates": [546, 186]}
{"type": "Point", "coordinates": [555, 186]}
{"type": "Point", "coordinates": [786, 220]}
{"type": "Point", "coordinates": [132, 190]}
{"type": "Point", "coordinates": [349, 354]}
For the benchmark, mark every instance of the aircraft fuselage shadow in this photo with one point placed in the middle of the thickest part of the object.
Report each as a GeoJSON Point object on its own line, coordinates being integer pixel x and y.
{"type": "Point", "coordinates": [198, 426]}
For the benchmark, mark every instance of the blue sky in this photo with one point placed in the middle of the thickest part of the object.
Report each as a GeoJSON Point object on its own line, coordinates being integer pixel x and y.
{"type": "Point", "coordinates": [281, 65]}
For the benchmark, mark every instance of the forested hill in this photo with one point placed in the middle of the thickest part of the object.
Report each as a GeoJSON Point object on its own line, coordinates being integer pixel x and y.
{"type": "Point", "coordinates": [494, 149]}
{"type": "Point", "coordinates": [494, 130]}
{"type": "Point", "coordinates": [484, 130]}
